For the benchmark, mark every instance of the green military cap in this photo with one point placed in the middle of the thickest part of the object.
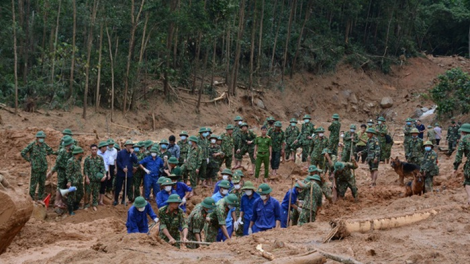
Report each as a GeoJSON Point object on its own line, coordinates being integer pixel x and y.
{"type": "Point", "coordinates": [40, 134]}
{"type": "Point", "coordinates": [278, 124]}
{"type": "Point", "coordinates": [68, 140]}
{"type": "Point", "coordinates": [224, 184]}
{"type": "Point", "coordinates": [202, 129]}
{"type": "Point", "coordinates": [128, 142]}
{"type": "Point", "coordinates": [370, 121]}
{"type": "Point", "coordinates": [264, 188]}
{"type": "Point", "coordinates": [236, 179]}
{"type": "Point", "coordinates": [239, 173]}
{"type": "Point", "coordinates": [320, 130]}
{"type": "Point", "coordinates": [238, 118]}
{"type": "Point", "coordinates": [428, 143]}
{"type": "Point", "coordinates": [436, 124]}
{"type": "Point", "coordinates": [313, 168]}
{"type": "Point", "coordinates": [166, 182]}
{"type": "Point", "coordinates": [67, 131]}
{"type": "Point", "coordinates": [326, 150]}
{"type": "Point", "coordinates": [382, 119]}
{"type": "Point", "coordinates": [231, 199]}
{"type": "Point", "coordinates": [244, 124]}
{"type": "Point", "coordinates": [414, 131]}
{"type": "Point", "coordinates": [208, 203]}
{"type": "Point", "coordinates": [307, 117]}
{"type": "Point", "coordinates": [465, 128]}
{"type": "Point", "coordinates": [229, 127]}
{"type": "Point", "coordinates": [148, 143]}
{"type": "Point", "coordinates": [174, 198]}
{"type": "Point", "coordinates": [140, 202]}
{"type": "Point", "coordinates": [110, 141]}
{"type": "Point", "coordinates": [154, 149]}
{"type": "Point", "coordinates": [293, 120]}
{"type": "Point", "coordinates": [102, 144]}
{"type": "Point", "coordinates": [270, 118]}
{"type": "Point", "coordinates": [173, 160]}
{"type": "Point", "coordinates": [227, 172]}
{"type": "Point", "coordinates": [339, 165]}
{"type": "Point", "coordinates": [352, 126]}
{"type": "Point", "coordinates": [248, 185]}
{"type": "Point", "coordinates": [335, 116]}
{"type": "Point", "coordinates": [297, 186]}
{"type": "Point", "coordinates": [161, 180]}
{"type": "Point", "coordinates": [184, 133]}
{"type": "Point", "coordinates": [213, 136]}
{"type": "Point", "coordinates": [194, 139]}
{"type": "Point", "coordinates": [371, 130]}
{"type": "Point", "coordinates": [163, 141]}
{"type": "Point", "coordinates": [116, 146]}
{"type": "Point", "coordinates": [429, 126]}
{"type": "Point", "coordinates": [77, 150]}
{"type": "Point", "coordinates": [410, 119]}
{"type": "Point", "coordinates": [316, 177]}
{"type": "Point", "coordinates": [219, 138]}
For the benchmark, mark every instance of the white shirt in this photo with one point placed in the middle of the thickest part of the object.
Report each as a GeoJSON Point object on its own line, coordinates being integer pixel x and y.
{"type": "Point", "coordinates": [110, 156]}
{"type": "Point", "coordinates": [103, 155]}
{"type": "Point", "coordinates": [438, 131]}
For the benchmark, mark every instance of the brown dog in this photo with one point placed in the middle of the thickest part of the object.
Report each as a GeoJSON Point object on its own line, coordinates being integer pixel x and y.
{"type": "Point", "coordinates": [416, 186]}
{"type": "Point", "coordinates": [403, 169]}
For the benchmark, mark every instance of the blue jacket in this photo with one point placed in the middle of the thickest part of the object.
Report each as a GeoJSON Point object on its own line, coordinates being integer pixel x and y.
{"type": "Point", "coordinates": [137, 222]}
{"type": "Point", "coordinates": [217, 188]}
{"type": "Point", "coordinates": [266, 215]}
{"type": "Point", "coordinates": [246, 206]}
{"type": "Point", "coordinates": [125, 159]}
{"type": "Point", "coordinates": [153, 165]}
{"type": "Point", "coordinates": [285, 202]}
{"type": "Point", "coordinates": [181, 189]}
{"type": "Point", "coordinates": [162, 197]}
{"type": "Point", "coordinates": [218, 196]}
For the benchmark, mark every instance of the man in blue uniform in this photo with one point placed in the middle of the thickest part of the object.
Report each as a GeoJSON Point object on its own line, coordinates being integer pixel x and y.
{"type": "Point", "coordinates": [226, 175]}
{"type": "Point", "coordinates": [246, 204]}
{"type": "Point", "coordinates": [151, 165]}
{"type": "Point", "coordinates": [224, 187]}
{"type": "Point", "coordinates": [137, 216]}
{"type": "Point", "coordinates": [266, 211]}
{"type": "Point", "coordinates": [162, 196]}
{"type": "Point", "coordinates": [184, 191]}
{"type": "Point", "coordinates": [292, 196]}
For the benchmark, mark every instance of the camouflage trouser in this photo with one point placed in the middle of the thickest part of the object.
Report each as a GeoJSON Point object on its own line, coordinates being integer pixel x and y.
{"type": "Point", "coordinates": [305, 216]}
{"type": "Point", "coordinates": [387, 151]}
{"type": "Point", "coordinates": [294, 217]}
{"type": "Point", "coordinates": [451, 143]}
{"type": "Point", "coordinates": [383, 151]}
{"type": "Point", "coordinates": [211, 232]}
{"type": "Point", "coordinates": [37, 178]}
{"type": "Point", "coordinates": [243, 151]}
{"type": "Point", "coordinates": [228, 162]}
{"type": "Point", "coordinates": [94, 189]}
{"type": "Point", "coordinates": [346, 155]}
{"type": "Point", "coordinates": [290, 150]}
{"type": "Point", "coordinates": [175, 235]}
{"type": "Point", "coordinates": [193, 178]}
{"type": "Point", "coordinates": [305, 152]}
{"type": "Point", "coordinates": [203, 170]}
{"type": "Point", "coordinates": [61, 179]}
{"type": "Point", "coordinates": [192, 237]}
{"type": "Point", "coordinates": [138, 180]}
{"type": "Point", "coordinates": [466, 173]}
{"type": "Point", "coordinates": [326, 189]}
{"type": "Point", "coordinates": [74, 198]}
{"type": "Point", "coordinates": [428, 183]}
{"type": "Point", "coordinates": [184, 173]}
{"type": "Point", "coordinates": [406, 143]}
{"type": "Point", "coordinates": [343, 185]}
{"type": "Point", "coordinates": [333, 146]}
{"type": "Point", "coordinates": [212, 172]}
{"type": "Point", "coordinates": [318, 161]}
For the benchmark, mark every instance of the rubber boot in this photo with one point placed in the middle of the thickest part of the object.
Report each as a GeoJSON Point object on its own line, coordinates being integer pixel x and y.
{"type": "Point", "coordinates": [70, 209]}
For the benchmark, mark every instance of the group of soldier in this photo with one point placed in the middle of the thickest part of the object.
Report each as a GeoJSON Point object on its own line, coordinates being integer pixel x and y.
{"type": "Point", "coordinates": [174, 170]}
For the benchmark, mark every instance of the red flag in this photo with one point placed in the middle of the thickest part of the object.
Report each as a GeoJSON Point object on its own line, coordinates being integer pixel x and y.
{"type": "Point", "coordinates": [46, 201]}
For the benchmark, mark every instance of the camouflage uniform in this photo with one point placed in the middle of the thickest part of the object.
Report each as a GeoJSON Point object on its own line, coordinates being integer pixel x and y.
{"type": "Point", "coordinates": [204, 144]}
{"type": "Point", "coordinates": [345, 180]}
{"type": "Point", "coordinates": [173, 222]}
{"type": "Point", "coordinates": [196, 221]}
{"type": "Point", "coordinates": [334, 129]}
{"type": "Point", "coordinates": [431, 136]}
{"type": "Point", "coordinates": [452, 137]}
{"type": "Point", "coordinates": [382, 130]}
{"type": "Point", "coordinates": [75, 177]}
{"type": "Point", "coordinates": [184, 149]}
{"type": "Point", "coordinates": [292, 132]}
{"type": "Point", "coordinates": [316, 158]}
{"type": "Point", "coordinates": [193, 162]}
{"type": "Point", "coordinates": [163, 154]}
{"type": "Point", "coordinates": [214, 162]}
{"type": "Point", "coordinates": [244, 147]}
{"type": "Point", "coordinates": [239, 194]}
{"type": "Point", "coordinates": [227, 149]}
{"type": "Point", "coordinates": [138, 175]}
{"type": "Point", "coordinates": [464, 149]}
{"type": "Point", "coordinates": [373, 152]}
{"type": "Point", "coordinates": [311, 204]}
{"type": "Point", "coordinates": [60, 167]}
{"type": "Point", "coordinates": [307, 131]}
{"type": "Point", "coordinates": [415, 148]}
{"type": "Point", "coordinates": [277, 140]}
{"type": "Point", "coordinates": [217, 219]}
{"type": "Point", "coordinates": [37, 158]}
{"type": "Point", "coordinates": [407, 133]}
{"type": "Point", "coordinates": [91, 167]}
{"type": "Point", "coordinates": [348, 143]}
{"type": "Point", "coordinates": [429, 168]}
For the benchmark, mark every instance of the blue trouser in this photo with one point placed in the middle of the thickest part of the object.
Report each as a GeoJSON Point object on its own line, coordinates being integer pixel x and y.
{"type": "Point", "coordinates": [151, 182]}
{"type": "Point", "coordinates": [284, 215]}
{"type": "Point", "coordinates": [220, 235]}
{"type": "Point", "coordinates": [256, 229]}
{"type": "Point", "coordinates": [246, 225]}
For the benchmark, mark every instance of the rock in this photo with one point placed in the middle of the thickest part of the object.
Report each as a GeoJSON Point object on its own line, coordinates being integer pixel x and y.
{"type": "Point", "coordinates": [386, 102]}
{"type": "Point", "coordinates": [39, 211]}
{"type": "Point", "coordinates": [424, 109]}
{"type": "Point", "coordinates": [353, 99]}
{"type": "Point", "coordinates": [417, 113]}
{"type": "Point", "coordinates": [370, 251]}
{"type": "Point", "coordinates": [260, 103]}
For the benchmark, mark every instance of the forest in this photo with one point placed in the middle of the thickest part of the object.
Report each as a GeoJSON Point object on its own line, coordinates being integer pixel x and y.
{"type": "Point", "coordinates": [113, 54]}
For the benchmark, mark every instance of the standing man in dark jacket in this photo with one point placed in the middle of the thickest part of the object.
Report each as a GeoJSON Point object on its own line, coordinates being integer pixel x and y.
{"type": "Point", "coordinates": [124, 161]}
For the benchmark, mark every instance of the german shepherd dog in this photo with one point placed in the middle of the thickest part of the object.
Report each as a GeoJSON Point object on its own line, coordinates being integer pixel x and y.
{"type": "Point", "coordinates": [403, 169]}
{"type": "Point", "coordinates": [416, 186]}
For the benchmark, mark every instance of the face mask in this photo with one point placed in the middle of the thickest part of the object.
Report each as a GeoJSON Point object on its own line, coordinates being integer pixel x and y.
{"type": "Point", "coordinates": [41, 140]}
{"type": "Point", "coordinates": [153, 154]}
{"type": "Point", "coordinates": [249, 192]}
{"type": "Point", "coordinates": [342, 135]}
{"type": "Point", "coordinates": [141, 209]}
{"type": "Point", "coordinates": [225, 177]}
{"type": "Point", "coordinates": [380, 122]}
{"type": "Point", "coordinates": [183, 137]}
{"type": "Point", "coordinates": [230, 207]}
{"type": "Point", "coordinates": [414, 136]}
{"type": "Point", "coordinates": [163, 146]}
{"type": "Point", "coordinates": [213, 141]}
{"type": "Point", "coordinates": [237, 186]}
{"type": "Point", "coordinates": [240, 122]}
{"type": "Point", "coordinates": [190, 143]}
{"type": "Point", "coordinates": [224, 191]}
{"type": "Point", "coordinates": [292, 124]}
{"type": "Point", "coordinates": [110, 148]}
{"type": "Point", "coordinates": [263, 197]}
{"type": "Point", "coordinates": [321, 134]}
{"type": "Point", "coordinates": [369, 124]}
{"type": "Point", "coordinates": [353, 130]}
{"type": "Point", "coordinates": [306, 121]}
{"type": "Point", "coordinates": [136, 149]}
{"type": "Point", "coordinates": [427, 148]}
{"type": "Point", "coordinates": [408, 123]}
{"type": "Point", "coordinates": [167, 188]}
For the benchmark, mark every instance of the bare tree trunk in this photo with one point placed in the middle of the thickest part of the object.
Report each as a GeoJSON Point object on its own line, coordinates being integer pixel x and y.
{"type": "Point", "coordinates": [202, 79]}
{"type": "Point", "coordinates": [142, 47]}
{"type": "Point", "coordinates": [196, 62]}
{"type": "Point", "coordinates": [43, 45]}
{"type": "Point", "coordinates": [271, 65]}
{"type": "Point", "coordinates": [289, 27]}
{"type": "Point", "coordinates": [307, 16]}
{"type": "Point", "coordinates": [74, 31]}
{"type": "Point", "coordinates": [227, 55]}
{"type": "Point", "coordinates": [260, 40]}
{"type": "Point", "coordinates": [111, 60]}
{"type": "Point", "coordinates": [88, 56]}
{"type": "Point", "coordinates": [241, 23]}
{"type": "Point", "coordinates": [55, 44]}
{"type": "Point", "coordinates": [98, 81]}
{"type": "Point", "coordinates": [15, 54]}
{"type": "Point", "coordinates": [252, 51]}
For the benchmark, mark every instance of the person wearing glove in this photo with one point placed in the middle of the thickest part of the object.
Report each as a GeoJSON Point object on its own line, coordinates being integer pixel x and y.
{"type": "Point", "coordinates": [291, 196]}
{"type": "Point", "coordinates": [137, 221]}
{"type": "Point", "coordinates": [266, 211]}
{"type": "Point", "coordinates": [151, 165]}
{"type": "Point", "coordinates": [238, 224]}
{"type": "Point", "coordinates": [246, 204]}
{"type": "Point", "coordinates": [198, 218]}
{"type": "Point", "coordinates": [184, 191]}
{"type": "Point", "coordinates": [218, 228]}
{"type": "Point", "coordinates": [172, 221]}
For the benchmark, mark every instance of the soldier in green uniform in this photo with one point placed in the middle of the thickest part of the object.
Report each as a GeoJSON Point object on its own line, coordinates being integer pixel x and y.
{"type": "Point", "coordinates": [305, 137]}
{"type": "Point", "coordinates": [343, 178]}
{"type": "Point", "coordinates": [215, 158]}
{"type": "Point", "coordinates": [193, 161]}
{"type": "Point", "coordinates": [184, 147]}
{"type": "Point", "coordinates": [35, 153]}
{"type": "Point", "coordinates": [431, 135]}
{"type": "Point", "coordinates": [238, 121]}
{"type": "Point", "coordinates": [373, 155]}
{"type": "Point", "coordinates": [326, 153]}
{"type": "Point", "coordinates": [238, 224]}
{"type": "Point", "coordinates": [452, 137]}
{"type": "Point", "coordinates": [66, 133]}
{"type": "Point", "coordinates": [204, 144]}
{"type": "Point", "coordinates": [228, 143]}
{"type": "Point", "coordinates": [148, 146]}
{"type": "Point", "coordinates": [65, 153]}
{"type": "Point", "coordinates": [415, 148]}
{"type": "Point", "coordinates": [292, 132]}
{"type": "Point", "coordinates": [429, 166]}
{"type": "Point", "coordinates": [164, 154]}
{"type": "Point", "coordinates": [269, 123]}
{"type": "Point", "coordinates": [382, 130]}
{"type": "Point", "coordinates": [245, 144]}
{"type": "Point", "coordinates": [319, 143]}
{"type": "Point", "coordinates": [263, 148]}
{"type": "Point", "coordinates": [370, 123]}
{"type": "Point", "coordinates": [350, 140]}
{"type": "Point", "coordinates": [172, 165]}
{"type": "Point", "coordinates": [138, 173]}
{"type": "Point", "coordinates": [217, 218]}
{"type": "Point", "coordinates": [172, 221]}
{"type": "Point", "coordinates": [464, 149]}
{"type": "Point", "coordinates": [74, 178]}
{"type": "Point", "coordinates": [278, 141]}
{"type": "Point", "coordinates": [407, 133]}
{"type": "Point", "coordinates": [197, 219]}
{"type": "Point", "coordinates": [95, 172]}
{"type": "Point", "coordinates": [312, 199]}
{"type": "Point", "coordinates": [334, 129]}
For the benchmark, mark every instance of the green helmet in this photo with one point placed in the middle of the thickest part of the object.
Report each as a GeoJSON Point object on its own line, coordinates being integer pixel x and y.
{"type": "Point", "coordinates": [231, 199]}
{"type": "Point", "coordinates": [154, 149]}
{"type": "Point", "coordinates": [436, 124]}
{"type": "Point", "coordinates": [339, 166]}
{"type": "Point", "coordinates": [236, 179]}
{"type": "Point", "coordinates": [166, 182]}
{"type": "Point", "coordinates": [320, 130]}
{"type": "Point", "coordinates": [219, 138]}
{"type": "Point", "coordinates": [163, 141]}
{"type": "Point", "coordinates": [335, 116]}
{"type": "Point", "coordinates": [382, 119]}
{"type": "Point", "coordinates": [409, 119]}
{"type": "Point", "coordinates": [184, 133]}
{"type": "Point", "coordinates": [177, 171]}
{"type": "Point", "coordinates": [194, 139]}
{"type": "Point", "coordinates": [239, 173]}
{"type": "Point", "coordinates": [229, 127]}
{"type": "Point", "coordinates": [102, 144]}
{"type": "Point", "coordinates": [238, 118]}
{"type": "Point", "coordinates": [67, 131]}
{"type": "Point", "coordinates": [68, 140]}
{"type": "Point", "coordinates": [161, 180]}
{"type": "Point", "coordinates": [465, 128]}
{"type": "Point", "coordinates": [208, 129]}
{"type": "Point", "coordinates": [213, 136]}
{"type": "Point", "coordinates": [208, 203]}
{"type": "Point", "coordinates": [244, 124]}
{"type": "Point", "coordinates": [270, 119]}
{"type": "Point", "coordinates": [313, 168]}
{"type": "Point", "coordinates": [202, 130]}
{"type": "Point", "coordinates": [307, 117]}
{"type": "Point", "coordinates": [293, 120]}
{"type": "Point", "coordinates": [264, 188]}
{"type": "Point", "coordinates": [414, 131]}
{"type": "Point", "coordinates": [140, 202]}
{"type": "Point", "coordinates": [111, 141]}
{"type": "Point", "coordinates": [40, 134]}
{"type": "Point", "coordinates": [352, 126]}
{"type": "Point", "coordinates": [429, 126]}
{"type": "Point", "coordinates": [77, 150]}
{"type": "Point", "coordinates": [173, 160]}
{"type": "Point", "coordinates": [128, 142]}
{"type": "Point", "coordinates": [148, 143]}
{"type": "Point", "coordinates": [428, 143]}
{"type": "Point", "coordinates": [227, 171]}
{"type": "Point", "coordinates": [316, 177]}
{"type": "Point", "coordinates": [224, 184]}
{"type": "Point", "coordinates": [371, 130]}
{"type": "Point", "coordinates": [248, 185]}
{"type": "Point", "coordinates": [326, 150]}
{"type": "Point", "coordinates": [116, 146]}
{"type": "Point", "coordinates": [278, 124]}
{"type": "Point", "coordinates": [370, 121]}
{"type": "Point", "coordinates": [174, 198]}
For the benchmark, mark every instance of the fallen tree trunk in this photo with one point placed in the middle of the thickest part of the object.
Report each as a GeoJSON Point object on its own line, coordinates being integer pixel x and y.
{"type": "Point", "coordinates": [313, 258]}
